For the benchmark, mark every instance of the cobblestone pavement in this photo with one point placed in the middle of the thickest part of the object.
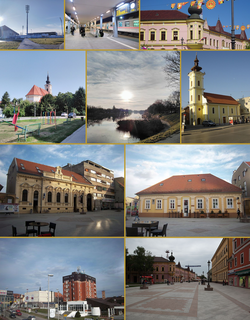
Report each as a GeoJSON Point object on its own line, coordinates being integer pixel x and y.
{"type": "Point", "coordinates": [193, 227]}
{"type": "Point", "coordinates": [187, 301]}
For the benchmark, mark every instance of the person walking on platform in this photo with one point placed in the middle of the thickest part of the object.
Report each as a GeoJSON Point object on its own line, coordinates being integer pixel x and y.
{"type": "Point", "coordinates": [72, 30]}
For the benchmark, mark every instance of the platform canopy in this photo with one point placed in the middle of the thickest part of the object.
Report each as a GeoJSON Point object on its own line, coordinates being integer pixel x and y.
{"type": "Point", "coordinates": [87, 10]}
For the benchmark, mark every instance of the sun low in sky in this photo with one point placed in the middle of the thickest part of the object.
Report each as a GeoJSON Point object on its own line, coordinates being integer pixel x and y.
{"type": "Point", "coordinates": [126, 95]}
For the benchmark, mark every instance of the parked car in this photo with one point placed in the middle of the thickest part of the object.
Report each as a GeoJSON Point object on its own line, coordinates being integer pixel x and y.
{"type": "Point", "coordinates": [30, 318]}
{"type": "Point", "coordinates": [208, 123]}
{"type": "Point", "coordinates": [18, 313]}
{"type": "Point", "coordinates": [64, 114]}
{"type": "Point", "coordinates": [71, 115]}
{"type": "Point", "coordinates": [12, 315]}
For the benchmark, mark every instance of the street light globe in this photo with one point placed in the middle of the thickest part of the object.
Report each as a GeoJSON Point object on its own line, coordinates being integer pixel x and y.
{"type": "Point", "coordinates": [50, 275]}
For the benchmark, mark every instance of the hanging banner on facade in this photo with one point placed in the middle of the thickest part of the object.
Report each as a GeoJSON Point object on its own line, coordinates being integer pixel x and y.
{"type": "Point", "coordinates": [9, 208]}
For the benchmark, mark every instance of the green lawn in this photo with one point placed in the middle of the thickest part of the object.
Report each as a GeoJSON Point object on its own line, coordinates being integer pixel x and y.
{"type": "Point", "coordinates": [53, 41]}
{"type": "Point", "coordinates": [49, 133]}
{"type": "Point", "coordinates": [8, 45]}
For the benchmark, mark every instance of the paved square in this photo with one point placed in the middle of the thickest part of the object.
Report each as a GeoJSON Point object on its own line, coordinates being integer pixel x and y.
{"type": "Point", "coordinates": [188, 301]}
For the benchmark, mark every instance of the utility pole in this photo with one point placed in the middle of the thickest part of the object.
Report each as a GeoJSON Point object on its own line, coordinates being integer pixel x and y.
{"type": "Point", "coordinates": [232, 25]}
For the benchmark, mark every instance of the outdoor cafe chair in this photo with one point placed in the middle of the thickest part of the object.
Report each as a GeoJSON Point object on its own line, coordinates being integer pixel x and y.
{"type": "Point", "coordinates": [159, 232]}
{"type": "Point", "coordinates": [51, 231]}
{"type": "Point", "coordinates": [133, 232]}
{"type": "Point", "coordinates": [14, 233]}
{"type": "Point", "coordinates": [152, 228]}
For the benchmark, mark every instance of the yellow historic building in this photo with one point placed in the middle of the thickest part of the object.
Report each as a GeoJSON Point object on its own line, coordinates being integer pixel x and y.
{"type": "Point", "coordinates": [196, 195]}
{"type": "Point", "coordinates": [208, 106]}
{"type": "Point", "coordinates": [220, 261]}
{"type": "Point", "coordinates": [40, 188]}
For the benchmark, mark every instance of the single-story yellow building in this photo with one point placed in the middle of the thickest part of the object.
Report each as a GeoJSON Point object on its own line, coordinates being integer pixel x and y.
{"type": "Point", "coordinates": [196, 195]}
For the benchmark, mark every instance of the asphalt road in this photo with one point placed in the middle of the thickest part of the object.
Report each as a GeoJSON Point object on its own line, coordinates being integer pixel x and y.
{"type": "Point", "coordinates": [239, 133]}
{"type": "Point", "coordinates": [76, 137]}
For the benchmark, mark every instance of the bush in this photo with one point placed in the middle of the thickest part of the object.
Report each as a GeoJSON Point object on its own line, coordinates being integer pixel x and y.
{"type": "Point", "coordinates": [78, 315]}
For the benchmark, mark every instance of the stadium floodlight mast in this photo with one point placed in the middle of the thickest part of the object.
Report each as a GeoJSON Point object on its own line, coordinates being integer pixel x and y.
{"type": "Point", "coordinates": [27, 8]}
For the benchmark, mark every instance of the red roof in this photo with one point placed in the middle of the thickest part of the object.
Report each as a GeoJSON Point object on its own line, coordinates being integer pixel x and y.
{"type": "Point", "coordinates": [38, 169]}
{"type": "Point", "coordinates": [248, 163]}
{"type": "Point", "coordinates": [36, 91]}
{"type": "Point", "coordinates": [193, 183]}
{"type": "Point", "coordinates": [220, 99]}
{"type": "Point", "coordinates": [160, 15]}
{"type": "Point", "coordinates": [218, 28]}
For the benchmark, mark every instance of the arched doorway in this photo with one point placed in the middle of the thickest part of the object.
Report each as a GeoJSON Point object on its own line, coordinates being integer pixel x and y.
{"type": "Point", "coordinates": [75, 203]}
{"type": "Point", "coordinates": [35, 202]}
{"type": "Point", "coordinates": [89, 202]}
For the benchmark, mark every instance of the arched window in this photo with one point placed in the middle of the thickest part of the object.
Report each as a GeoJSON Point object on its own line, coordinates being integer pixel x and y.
{"type": "Point", "coordinates": [66, 198]}
{"type": "Point", "coordinates": [49, 196]}
{"type": "Point", "coordinates": [25, 195]}
{"type": "Point", "coordinates": [58, 197]}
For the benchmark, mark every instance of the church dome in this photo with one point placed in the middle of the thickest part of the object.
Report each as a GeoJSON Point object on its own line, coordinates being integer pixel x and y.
{"type": "Point", "coordinates": [194, 12]}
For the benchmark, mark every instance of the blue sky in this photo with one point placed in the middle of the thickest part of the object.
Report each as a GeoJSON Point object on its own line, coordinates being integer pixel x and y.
{"type": "Point", "coordinates": [43, 15]}
{"type": "Point", "coordinates": [21, 70]}
{"type": "Point", "coordinates": [186, 251]}
{"type": "Point", "coordinates": [109, 156]}
{"type": "Point", "coordinates": [147, 165]}
{"type": "Point", "coordinates": [225, 72]}
{"type": "Point", "coordinates": [140, 73]}
{"type": "Point", "coordinates": [222, 11]}
{"type": "Point", "coordinates": [26, 263]}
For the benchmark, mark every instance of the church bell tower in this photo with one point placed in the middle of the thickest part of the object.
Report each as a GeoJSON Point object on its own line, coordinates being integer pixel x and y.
{"type": "Point", "coordinates": [196, 90]}
{"type": "Point", "coordinates": [48, 86]}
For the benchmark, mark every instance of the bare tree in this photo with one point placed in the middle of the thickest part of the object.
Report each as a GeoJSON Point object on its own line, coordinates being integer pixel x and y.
{"type": "Point", "coordinates": [172, 68]}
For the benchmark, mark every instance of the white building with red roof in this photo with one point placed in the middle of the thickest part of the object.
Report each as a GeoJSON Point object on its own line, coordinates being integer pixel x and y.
{"type": "Point", "coordinates": [195, 195]}
{"type": "Point", "coordinates": [36, 93]}
{"type": "Point", "coordinates": [40, 188]}
{"type": "Point", "coordinates": [173, 29]}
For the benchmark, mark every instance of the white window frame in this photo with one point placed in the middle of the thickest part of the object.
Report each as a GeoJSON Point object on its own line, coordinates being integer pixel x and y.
{"type": "Point", "coordinates": [147, 204]}
{"type": "Point", "coordinates": [230, 206]}
{"type": "Point", "coordinates": [171, 204]}
{"type": "Point", "coordinates": [158, 201]}
{"type": "Point", "coordinates": [197, 203]}
{"type": "Point", "coordinates": [215, 205]}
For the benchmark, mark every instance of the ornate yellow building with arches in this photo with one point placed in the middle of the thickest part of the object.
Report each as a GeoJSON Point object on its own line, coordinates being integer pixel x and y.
{"type": "Point", "coordinates": [40, 188]}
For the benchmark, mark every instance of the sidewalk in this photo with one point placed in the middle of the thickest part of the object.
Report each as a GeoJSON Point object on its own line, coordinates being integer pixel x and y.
{"type": "Point", "coordinates": [187, 301]}
{"type": "Point", "coordinates": [103, 223]}
{"type": "Point", "coordinates": [200, 227]}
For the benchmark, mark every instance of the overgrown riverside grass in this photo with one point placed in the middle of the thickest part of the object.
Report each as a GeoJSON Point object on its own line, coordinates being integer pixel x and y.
{"type": "Point", "coordinates": [173, 120]}
{"type": "Point", "coordinates": [9, 45]}
{"type": "Point", "coordinates": [53, 41]}
{"type": "Point", "coordinates": [48, 132]}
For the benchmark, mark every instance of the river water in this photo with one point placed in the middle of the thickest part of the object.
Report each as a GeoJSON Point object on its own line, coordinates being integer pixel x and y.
{"type": "Point", "coordinates": [106, 131]}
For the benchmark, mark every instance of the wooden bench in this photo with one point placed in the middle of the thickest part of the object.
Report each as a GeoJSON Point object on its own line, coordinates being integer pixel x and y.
{"type": "Point", "coordinates": [30, 128]}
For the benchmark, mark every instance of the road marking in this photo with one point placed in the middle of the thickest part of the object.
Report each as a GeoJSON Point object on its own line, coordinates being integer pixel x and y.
{"type": "Point", "coordinates": [122, 44]}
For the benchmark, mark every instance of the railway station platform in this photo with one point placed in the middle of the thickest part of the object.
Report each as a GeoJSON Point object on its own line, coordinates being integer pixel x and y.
{"type": "Point", "coordinates": [105, 42]}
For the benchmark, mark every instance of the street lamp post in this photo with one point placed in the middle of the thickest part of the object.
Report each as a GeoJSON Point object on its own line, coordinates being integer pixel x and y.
{"type": "Point", "coordinates": [5, 301]}
{"type": "Point", "coordinates": [232, 23]}
{"type": "Point", "coordinates": [208, 288]}
{"type": "Point", "coordinates": [49, 275]}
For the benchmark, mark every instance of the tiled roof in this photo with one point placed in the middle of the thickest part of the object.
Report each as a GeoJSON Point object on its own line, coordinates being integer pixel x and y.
{"type": "Point", "coordinates": [248, 163]}
{"type": "Point", "coordinates": [194, 183]}
{"type": "Point", "coordinates": [160, 259]}
{"type": "Point", "coordinates": [220, 99]}
{"type": "Point", "coordinates": [218, 28]}
{"type": "Point", "coordinates": [36, 91]}
{"type": "Point", "coordinates": [31, 168]}
{"type": "Point", "coordinates": [161, 15]}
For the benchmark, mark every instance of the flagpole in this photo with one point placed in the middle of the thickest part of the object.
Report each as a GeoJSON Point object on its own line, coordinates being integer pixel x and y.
{"type": "Point", "coordinates": [232, 31]}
